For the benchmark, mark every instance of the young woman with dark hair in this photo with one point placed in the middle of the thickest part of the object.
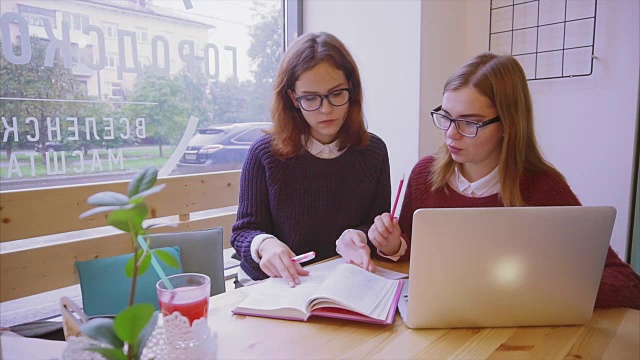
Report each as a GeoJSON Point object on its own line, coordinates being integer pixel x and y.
{"type": "Point", "coordinates": [318, 175]}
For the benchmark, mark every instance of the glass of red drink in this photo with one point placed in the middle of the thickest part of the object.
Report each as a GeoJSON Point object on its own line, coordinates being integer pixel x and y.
{"type": "Point", "coordinates": [189, 296]}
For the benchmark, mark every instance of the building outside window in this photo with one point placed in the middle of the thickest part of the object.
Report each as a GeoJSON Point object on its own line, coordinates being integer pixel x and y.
{"type": "Point", "coordinates": [114, 90]}
{"type": "Point", "coordinates": [76, 21]}
{"type": "Point", "coordinates": [36, 16]}
{"type": "Point", "coordinates": [110, 30]}
{"type": "Point", "coordinates": [126, 83]}
{"type": "Point", "coordinates": [142, 34]}
{"type": "Point", "coordinates": [112, 60]}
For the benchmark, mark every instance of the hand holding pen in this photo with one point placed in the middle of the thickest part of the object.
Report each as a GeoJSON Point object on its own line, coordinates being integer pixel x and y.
{"type": "Point", "coordinates": [384, 234]}
{"type": "Point", "coordinates": [276, 261]}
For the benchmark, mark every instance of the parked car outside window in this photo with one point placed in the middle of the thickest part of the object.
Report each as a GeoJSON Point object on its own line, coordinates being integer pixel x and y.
{"type": "Point", "coordinates": [50, 146]}
{"type": "Point", "coordinates": [220, 147]}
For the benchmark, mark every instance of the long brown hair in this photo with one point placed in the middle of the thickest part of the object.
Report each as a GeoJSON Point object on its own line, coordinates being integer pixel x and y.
{"type": "Point", "coordinates": [501, 79]}
{"type": "Point", "coordinates": [289, 125]}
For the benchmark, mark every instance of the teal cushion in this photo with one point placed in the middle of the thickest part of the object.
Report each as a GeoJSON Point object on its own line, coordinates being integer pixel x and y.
{"type": "Point", "coordinates": [105, 286]}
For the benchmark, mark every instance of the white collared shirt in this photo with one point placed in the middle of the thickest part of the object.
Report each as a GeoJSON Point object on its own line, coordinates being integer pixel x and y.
{"type": "Point", "coordinates": [318, 149]}
{"type": "Point", "coordinates": [487, 186]}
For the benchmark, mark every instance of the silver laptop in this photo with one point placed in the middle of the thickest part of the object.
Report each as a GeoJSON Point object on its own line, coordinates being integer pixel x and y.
{"type": "Point", "coordinates": [493, 267]}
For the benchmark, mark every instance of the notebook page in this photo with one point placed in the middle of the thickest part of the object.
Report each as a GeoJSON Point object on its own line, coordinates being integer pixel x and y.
{"type": "Point", "coordinates": [385, 273]}
{"type": "Point", "coordinates": [390, 274]}
{"type": "Point", "coordinates": [275, 293]}
{"type": "Point", "coordinates": [356, 289]}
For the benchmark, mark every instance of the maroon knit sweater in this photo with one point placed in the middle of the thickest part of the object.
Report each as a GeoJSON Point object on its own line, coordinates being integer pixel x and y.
{"type": "Point", "coordinates": [620, 285]}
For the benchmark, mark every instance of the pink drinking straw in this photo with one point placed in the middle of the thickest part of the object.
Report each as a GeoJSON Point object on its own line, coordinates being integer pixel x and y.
{"type": "Point", "coordinates": [395, 203]}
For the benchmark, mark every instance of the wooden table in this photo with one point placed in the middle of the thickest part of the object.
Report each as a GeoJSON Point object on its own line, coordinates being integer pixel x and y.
{"type": "Point", "coordinates": [611, 334]}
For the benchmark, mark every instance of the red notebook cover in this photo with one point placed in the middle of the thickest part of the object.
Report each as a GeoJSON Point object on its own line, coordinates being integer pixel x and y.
{"type": "Point", "coordinates": [339, 313]}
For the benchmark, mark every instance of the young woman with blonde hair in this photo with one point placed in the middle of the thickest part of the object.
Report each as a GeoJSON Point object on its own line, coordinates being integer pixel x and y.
{"type": "Point", "coordinates": [490, 158]}
{"type": "Point", "coordinates": [318, 175]}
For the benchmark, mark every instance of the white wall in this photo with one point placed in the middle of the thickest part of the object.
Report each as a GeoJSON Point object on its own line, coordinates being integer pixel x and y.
{"type": "Point", "coordinates": [384, 39]}
{"type": "Point", "coordinates": [452, 32]}
{"type": "Point", "coordinates": [586, 126]}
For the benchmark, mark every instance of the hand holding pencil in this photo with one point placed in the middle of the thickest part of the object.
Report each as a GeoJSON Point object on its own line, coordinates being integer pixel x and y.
{"type": "Point", "coordinates": [385, 231]}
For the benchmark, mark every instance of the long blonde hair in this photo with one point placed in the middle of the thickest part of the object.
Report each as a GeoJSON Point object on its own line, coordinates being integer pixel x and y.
{"type": "Point", "coordinates": [289, 125]}
{"type": "Point", "coordinates": [501, 79]}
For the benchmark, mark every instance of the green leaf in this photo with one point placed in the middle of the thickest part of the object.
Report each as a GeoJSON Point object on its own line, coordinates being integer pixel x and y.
{"type": "Point", "coordinates": [101, 329]}
{"type": "Point", "coordinates": [129, 218]}
{"type": "Point", "coordinates": [108, 198]}
{"type": "Point", "coordinates": [109, 354]}
{"type": "Point", "coordinates": [166, 258]}
{"type": "Point", "coordinates": [98, 210]}
{"type": "Point", "coordinates": [142, 195]}
{"type": "Point", "coordinates": [146, 332]}
{"type": "Point", "coordinates": [144, 265]}
{"type": "Point", "coordinates": [128, 269]}
{"type": "Point", "coordinates": [131, 321]}
{"type": "Point", "coordinates": [143, 180]}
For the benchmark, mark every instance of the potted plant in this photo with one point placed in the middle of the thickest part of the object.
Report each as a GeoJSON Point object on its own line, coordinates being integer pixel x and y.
{"type": "Point", "coordinates": [128, 332]}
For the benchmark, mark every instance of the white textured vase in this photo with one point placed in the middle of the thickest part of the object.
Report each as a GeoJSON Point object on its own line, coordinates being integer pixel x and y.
{"type": "Point", "coordinates": [173, 339]}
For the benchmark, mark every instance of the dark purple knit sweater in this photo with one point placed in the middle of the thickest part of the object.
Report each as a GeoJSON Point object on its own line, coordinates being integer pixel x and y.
{"type": "Point", "coordinates": [307, 202]}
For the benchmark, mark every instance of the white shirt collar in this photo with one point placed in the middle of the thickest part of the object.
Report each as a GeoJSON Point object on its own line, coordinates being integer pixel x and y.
{"type": "Point", "coordinates": [321, 150]}
{"type": "Point", "coordinates": [486, 186]}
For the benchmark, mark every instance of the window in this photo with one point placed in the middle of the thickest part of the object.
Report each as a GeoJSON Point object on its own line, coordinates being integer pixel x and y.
{"type": "Point", "coordinates": [110, 30]}
{"type": "Point", "coordinates": [142, 35]}
{"type": "Point", "coordinates": [114, 89]}
{"type": "Point", "coordinates": [37, 16]}
{"type": "Point", "coordinates": [125, 116]}
{"type": "Point", "coordinates": [249, 137]}
{"type": "Point", "coordinates": [76, 21]}
{"type": "Point", "coordinates": [112, 60]}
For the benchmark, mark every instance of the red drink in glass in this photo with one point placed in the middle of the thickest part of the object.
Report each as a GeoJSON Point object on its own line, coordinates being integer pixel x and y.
{"type": "Point", "coordinates": [187, 302]}
{"type": "Point", "coordinates": [189, 296]}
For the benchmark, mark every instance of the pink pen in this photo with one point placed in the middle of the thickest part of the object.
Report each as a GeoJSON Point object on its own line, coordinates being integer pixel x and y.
{"type": "Point", "coordinates": [304, 257]}
{"type": "Point", "coordinates": [395, 203]}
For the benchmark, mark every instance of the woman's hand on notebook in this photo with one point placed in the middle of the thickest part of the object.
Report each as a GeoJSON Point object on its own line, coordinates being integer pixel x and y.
{"type": "Point", "coordinates": [385, 234]}
{"type": "Point", "coordinates": [275, 261]}
{"type": "Point", "coordinates": [352, 246]}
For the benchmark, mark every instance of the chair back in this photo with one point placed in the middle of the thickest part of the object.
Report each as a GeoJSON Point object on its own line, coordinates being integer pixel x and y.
{"type": "Point", "coordinates": [200, 252]}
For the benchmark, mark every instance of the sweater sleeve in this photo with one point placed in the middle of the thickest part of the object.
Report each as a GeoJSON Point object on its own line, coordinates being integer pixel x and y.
{"type": "Point", "coordinates": [620, 285]}
{"type": "Point", "coordinates": [253, 217]}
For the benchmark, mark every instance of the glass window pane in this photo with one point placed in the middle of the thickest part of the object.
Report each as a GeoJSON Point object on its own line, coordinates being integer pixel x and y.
{"type": "Point", "coordinates": [127, 106]}
{"type": "Point", "coordinates": [249, 136]}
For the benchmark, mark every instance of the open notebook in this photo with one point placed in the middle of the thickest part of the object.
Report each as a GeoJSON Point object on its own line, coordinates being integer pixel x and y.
{"type": "Point", "coordinates": [333, 289]}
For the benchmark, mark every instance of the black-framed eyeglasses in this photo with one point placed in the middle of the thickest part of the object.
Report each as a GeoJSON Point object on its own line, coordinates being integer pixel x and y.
{"type": "Point", "coordinates": [337, 97]}
{"type": "Point", "coordinates": [465, 127]}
